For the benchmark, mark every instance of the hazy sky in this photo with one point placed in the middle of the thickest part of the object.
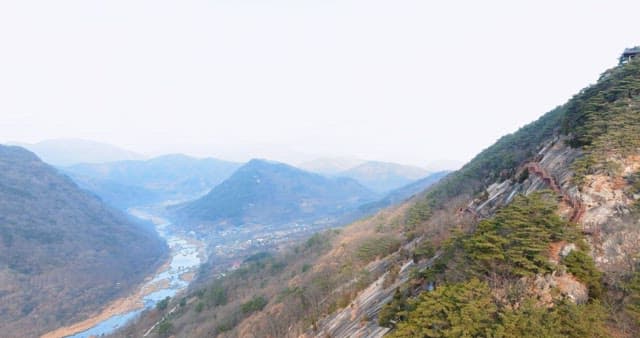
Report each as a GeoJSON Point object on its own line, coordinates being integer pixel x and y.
{"type": "Point", "coordinates": [404, 81]}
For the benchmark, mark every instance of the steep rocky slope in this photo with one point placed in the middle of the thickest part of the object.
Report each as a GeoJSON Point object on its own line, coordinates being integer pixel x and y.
{"type": "Point", "coordinates": [536, 236]}
{"type": "Point", "coordinates": [591, 166]}
{"type": "Point", "coordinates": [63, 253]}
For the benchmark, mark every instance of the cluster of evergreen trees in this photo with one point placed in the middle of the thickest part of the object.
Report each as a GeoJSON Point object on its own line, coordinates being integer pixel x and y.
{"type": "Point", "coordinates": [514, 243]}
{"type": "Point", "coordinates": [502, 250]}
{"type": "Point", "coordinates": [469, 310]}
{"type": "Point", "coordinates": [603, 119]}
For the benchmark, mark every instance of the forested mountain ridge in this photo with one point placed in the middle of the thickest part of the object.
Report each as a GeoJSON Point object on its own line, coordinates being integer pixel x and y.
{"type": "Point", "coordinates": [536, 236]}
{"type": "Point", "coordinates": [63, 253]}
{"type": "Point", "coordinates": [266, 192]}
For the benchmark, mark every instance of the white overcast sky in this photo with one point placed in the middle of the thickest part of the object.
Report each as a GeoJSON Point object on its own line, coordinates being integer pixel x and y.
{"type": "Point", "coordinates": [404, 81]}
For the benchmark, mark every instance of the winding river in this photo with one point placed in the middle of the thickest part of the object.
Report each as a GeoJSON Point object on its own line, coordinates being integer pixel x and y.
{"type": "Point", "coordinates": [186, 255]}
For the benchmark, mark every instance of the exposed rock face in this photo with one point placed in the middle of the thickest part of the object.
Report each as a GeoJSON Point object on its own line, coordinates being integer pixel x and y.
{"type": "Point", "coordinates": [615, 232]}
{"type": "Point", "coordinates": [602, 199]}
{"type": "Point", "coordinates": [353, 321]}
{"type": "Point", "coordinates": [570, 287]}
{"type": "Point", "coordinates": [359, 319]}
{"type": "Point", "coordinates": [566, 284]}
{"type": "Point", "coordinates": [566, 250]}
{"type": "Point", "coordinates": [550, 171]}
{"type": "Point", "coordinates": [600, 207]}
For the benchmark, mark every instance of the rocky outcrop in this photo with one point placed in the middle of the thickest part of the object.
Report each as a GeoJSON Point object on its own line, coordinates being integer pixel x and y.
{"type": "Point", "coordinates": [359, 319]}
{"type": "Point", "coordinates": [615, 235]}
{"type": "Point", "coordinates": [567, 249]}
{"type": "Point", "coordinates": [549, 169]}
{"type": "Point", "coordinates": [601, 206]}
{"type": "Point", "coordinates": [568, 286]}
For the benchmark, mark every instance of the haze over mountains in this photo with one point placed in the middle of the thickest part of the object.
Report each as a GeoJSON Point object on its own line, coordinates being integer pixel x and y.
{"type": "Point", "coordinates": [405, 192]}
{"type": "Point", "coordinates": [331, 165]}
{"type": "Point", "coordinates": [546, 219]}
{"type": "Point", "coordinates": [123, 179]}
{"type": "Point", "coordinates": [63, 252]}
{"type": "Point", "coordinates": [319, 169]}
{"type": "Point", "coordinates": [160, 179]}
{"type": "Point", "coordinates": [258, 192]}
{"type": "Point", "coordinates": [65, 152]}
{"type": "Point", "coordinates": [381, 177]}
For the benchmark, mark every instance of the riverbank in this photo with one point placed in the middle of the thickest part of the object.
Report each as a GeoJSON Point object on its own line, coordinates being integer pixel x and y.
{"type": "Point", "coordinates": [117, 307]}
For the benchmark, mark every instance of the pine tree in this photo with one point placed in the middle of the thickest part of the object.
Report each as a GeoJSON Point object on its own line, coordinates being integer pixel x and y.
{"type": "Point", "coordinates": [455, 310]}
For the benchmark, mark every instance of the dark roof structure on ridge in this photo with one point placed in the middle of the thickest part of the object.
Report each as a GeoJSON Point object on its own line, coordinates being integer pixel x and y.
{"type": "Point", "coordinates": [629, 53]}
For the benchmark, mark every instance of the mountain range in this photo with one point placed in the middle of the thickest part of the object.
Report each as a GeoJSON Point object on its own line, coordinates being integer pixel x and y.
{"type": "Point", "coordinates": [177, 177]}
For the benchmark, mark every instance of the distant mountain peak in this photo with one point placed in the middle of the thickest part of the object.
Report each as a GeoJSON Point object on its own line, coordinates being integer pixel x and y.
{"type": "Point", "coordinates": [383, 177]}
{"type": "Point", "coordinates": [264, 192]}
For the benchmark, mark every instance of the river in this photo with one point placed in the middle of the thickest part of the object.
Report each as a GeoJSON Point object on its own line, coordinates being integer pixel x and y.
{"type": "Point", "coordinates": [186, 255]}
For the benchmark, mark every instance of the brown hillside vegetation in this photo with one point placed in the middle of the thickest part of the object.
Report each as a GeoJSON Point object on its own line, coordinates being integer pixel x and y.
{"type": "Point", "coordinates": [302, 285]}
{"type": "Point", "coordinates": [63, 253]}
